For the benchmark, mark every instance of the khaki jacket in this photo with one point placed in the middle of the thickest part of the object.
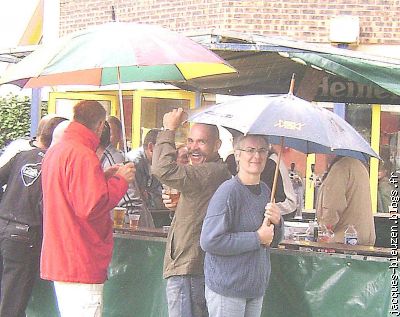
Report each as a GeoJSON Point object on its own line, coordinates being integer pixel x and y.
{"type": "Point", "coordinates": [197, 184]}
{"type": "Point", "coordinates": [344, 198]}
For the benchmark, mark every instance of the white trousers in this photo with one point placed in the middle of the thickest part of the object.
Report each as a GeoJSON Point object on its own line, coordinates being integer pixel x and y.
{"type": "Point", "coordinates": [79, 300]}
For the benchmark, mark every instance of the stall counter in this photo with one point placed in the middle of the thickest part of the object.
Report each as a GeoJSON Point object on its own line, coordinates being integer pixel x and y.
{"type": "Point", "coordinates": [303, 283]}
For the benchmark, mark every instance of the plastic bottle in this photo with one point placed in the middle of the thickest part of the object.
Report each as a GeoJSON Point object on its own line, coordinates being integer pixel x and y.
{"type": "Point", "coordinates": [311, 230]}
{"type": "Point", "coordinates": [350, 235]}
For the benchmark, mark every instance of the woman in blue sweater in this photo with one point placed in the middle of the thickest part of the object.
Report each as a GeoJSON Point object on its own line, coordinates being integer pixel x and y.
{"type": "Point", "coordinates": [236, 236]}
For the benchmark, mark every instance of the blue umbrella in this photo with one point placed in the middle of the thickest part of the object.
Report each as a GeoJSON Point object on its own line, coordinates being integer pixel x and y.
{"type": "Point", "coordinates": [290, 121]}
{"type": "Point", "coordinates": [306, 127]}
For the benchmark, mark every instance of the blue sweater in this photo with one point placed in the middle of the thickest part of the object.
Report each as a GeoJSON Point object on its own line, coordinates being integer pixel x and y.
{"type": "Point", "coordinates": [236, 264]}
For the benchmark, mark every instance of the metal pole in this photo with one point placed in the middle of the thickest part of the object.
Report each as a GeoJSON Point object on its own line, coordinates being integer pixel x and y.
{"type": "Point", "coordinates": [35, 111]}
{"type": "Point", "coordinates": [121, 110]}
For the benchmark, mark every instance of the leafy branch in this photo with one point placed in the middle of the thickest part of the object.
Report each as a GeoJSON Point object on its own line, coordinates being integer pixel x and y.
{"type": "Point", "coordinates": [15, 118]}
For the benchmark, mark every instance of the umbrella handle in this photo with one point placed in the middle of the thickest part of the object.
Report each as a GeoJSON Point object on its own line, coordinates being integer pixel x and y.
{"type": "Point", "coordinates": [273, 190]}
{"type": "Point", "coordinates": [269, 221]}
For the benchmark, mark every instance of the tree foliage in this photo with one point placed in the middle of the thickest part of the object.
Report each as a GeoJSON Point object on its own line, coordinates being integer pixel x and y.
{"type": "Point", "coordinates": [15, 118]}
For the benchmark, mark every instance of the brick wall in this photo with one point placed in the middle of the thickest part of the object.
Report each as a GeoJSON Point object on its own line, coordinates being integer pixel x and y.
{"type": "Point", "coordinates": [306, 20]}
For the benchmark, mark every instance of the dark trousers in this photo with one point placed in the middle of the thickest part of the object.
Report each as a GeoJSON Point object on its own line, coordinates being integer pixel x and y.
{"type": "Point", "coordinates": [19, 266]}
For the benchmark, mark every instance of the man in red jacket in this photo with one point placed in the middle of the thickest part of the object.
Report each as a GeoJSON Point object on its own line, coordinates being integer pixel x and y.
{"type": "Point", "coordinates": [77, 199]}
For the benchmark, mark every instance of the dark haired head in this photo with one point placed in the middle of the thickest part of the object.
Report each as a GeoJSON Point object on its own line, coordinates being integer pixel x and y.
{"type": "Point", "coordinates": [46, 135]}
{"type": "Point", "coordinates": [151, 137]}
{"type": "Point", "coordinates": [115, 131]}
{"type": "Point", "coordinates": [42, 123]}
{"type": "Point", "coordinates": [105, 135]}
{"type": "Point", "coordinates": [115, 123]}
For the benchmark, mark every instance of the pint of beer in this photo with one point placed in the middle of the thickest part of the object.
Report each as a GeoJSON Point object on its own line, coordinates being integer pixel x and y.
{"type": "Point", "coordinates": [173, 194]}
{"type": "Point", "coordinates": [119, 217]}
{"type": "Point", "coordinates": [134, 221]}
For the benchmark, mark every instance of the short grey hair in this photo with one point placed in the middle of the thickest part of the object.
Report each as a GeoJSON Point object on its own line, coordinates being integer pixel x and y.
{"type": "Point", "coordinates": [238, 142]}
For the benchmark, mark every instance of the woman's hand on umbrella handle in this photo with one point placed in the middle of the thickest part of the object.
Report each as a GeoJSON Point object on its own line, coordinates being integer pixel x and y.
{"type": "Point", "coordinates": [173, 119]}
{"type": "Point", "coordinates": [266, 234]}
{"type": "Point", "coordinates": [272, 214]}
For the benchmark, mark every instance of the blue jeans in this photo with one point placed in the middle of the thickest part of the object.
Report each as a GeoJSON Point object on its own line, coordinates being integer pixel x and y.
{"type": "Point", "coordinates": [223, 306]}
{"type": "Point", "coordinates": [185, 296]}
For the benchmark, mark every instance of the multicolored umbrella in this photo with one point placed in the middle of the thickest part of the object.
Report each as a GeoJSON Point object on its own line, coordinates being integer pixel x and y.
{"type": "Point", "coordinates": [115, 53]}
{"type": "Point", "coordinates": [95, 56]}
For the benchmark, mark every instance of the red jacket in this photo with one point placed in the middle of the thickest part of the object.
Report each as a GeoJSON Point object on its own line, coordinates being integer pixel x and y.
{"type": "Point", "coordinates": [77, 199]}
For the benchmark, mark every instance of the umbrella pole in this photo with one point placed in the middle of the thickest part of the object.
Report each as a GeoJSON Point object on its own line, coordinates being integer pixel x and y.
{"type": "Point", "coordinates": [291, 88]}
{"type": "Point", "coordinates": [273, 190]}
{"type": "Point", "coordinates": [121, 110]}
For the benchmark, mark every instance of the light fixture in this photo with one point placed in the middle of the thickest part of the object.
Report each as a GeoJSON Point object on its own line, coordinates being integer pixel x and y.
{"type": "Point", "coordinates": [344, 29]}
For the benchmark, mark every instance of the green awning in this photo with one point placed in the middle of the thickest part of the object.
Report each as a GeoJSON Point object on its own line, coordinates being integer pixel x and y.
{"type": "Point", "coordinates": [266, 65]}
{"type": "Point", "coordinates": [385, 75]}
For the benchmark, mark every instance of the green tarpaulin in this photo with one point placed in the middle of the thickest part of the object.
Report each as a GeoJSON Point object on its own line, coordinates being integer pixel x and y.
{"type": "Point", "coordinates": [303, 284]}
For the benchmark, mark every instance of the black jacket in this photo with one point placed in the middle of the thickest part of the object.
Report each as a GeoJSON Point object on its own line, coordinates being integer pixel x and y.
{"type": "Point", "coordinates": [22, 199]}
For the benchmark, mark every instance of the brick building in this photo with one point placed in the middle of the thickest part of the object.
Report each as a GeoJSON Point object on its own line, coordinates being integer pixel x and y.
{"type": "Point", "coordinates": [306, 20]}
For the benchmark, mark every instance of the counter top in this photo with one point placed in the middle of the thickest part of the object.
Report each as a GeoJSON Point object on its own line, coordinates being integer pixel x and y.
{"type": "Point", "coordinates": [335, 248]}
{"type": "Point", "coordinates": [159, 234]}
{"type": "Point", "coordinates": [156, 234]}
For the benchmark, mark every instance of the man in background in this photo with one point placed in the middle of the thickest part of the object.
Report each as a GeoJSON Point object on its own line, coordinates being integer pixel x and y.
{"type": "Point", "coordinates": [344, 198]}
{"type": "Point", "coordinates": [109, 155]}
{"type": "Point", "coordinates": [77, 199]}
{"type": "Point", "coordinates": [149, 187]}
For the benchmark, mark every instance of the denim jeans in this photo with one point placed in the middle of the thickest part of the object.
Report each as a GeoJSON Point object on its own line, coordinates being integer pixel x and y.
{"type": "Point", "coordinates": [79, 300]}
{"type": "Point", "coordinates": [185, 296]}
{"type": "Point", "coordinates": [223, 306]}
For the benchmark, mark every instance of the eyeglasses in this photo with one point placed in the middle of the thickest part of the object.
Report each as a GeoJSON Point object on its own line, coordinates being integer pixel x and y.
{"type": "Point", "coordinates": [253, 151]}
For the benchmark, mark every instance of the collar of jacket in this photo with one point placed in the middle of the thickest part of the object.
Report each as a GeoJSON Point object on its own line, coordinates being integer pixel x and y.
{"type": "Point", "coordinates": [78, 131]}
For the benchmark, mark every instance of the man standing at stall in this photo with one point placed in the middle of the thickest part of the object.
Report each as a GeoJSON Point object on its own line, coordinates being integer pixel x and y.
{"type": "Point", "coordinates": [77, 199]}
{"type": "Point", "coordinates": [197, 182]}
{"type": "Point", "coordinates": [344, 199]}
{"type": "Point", "coordinates": [149, 186]}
